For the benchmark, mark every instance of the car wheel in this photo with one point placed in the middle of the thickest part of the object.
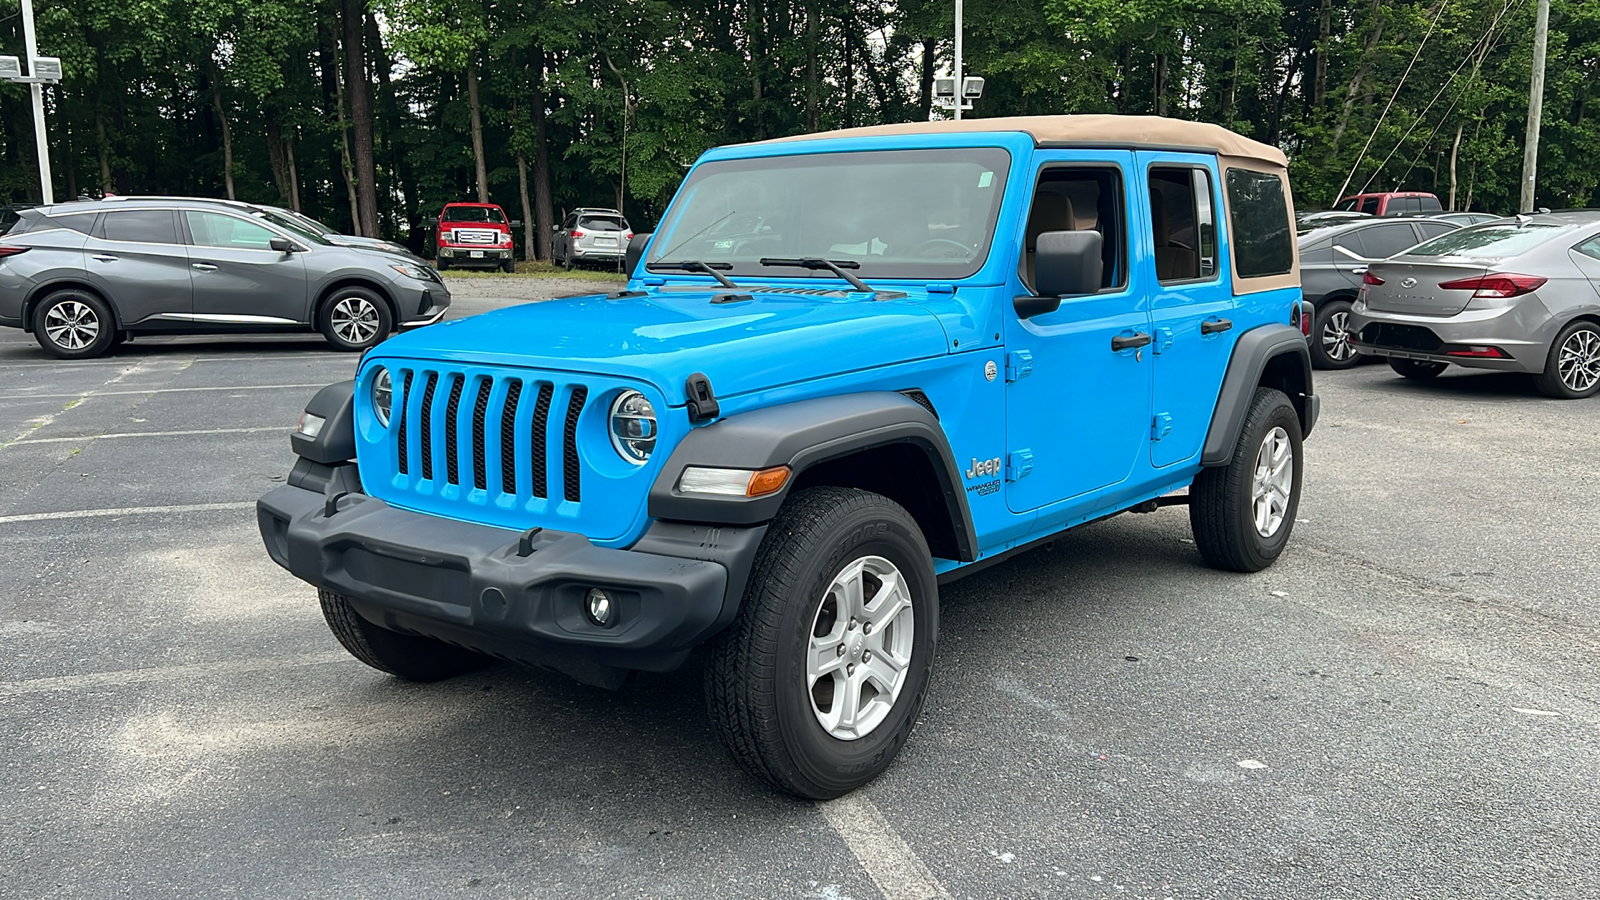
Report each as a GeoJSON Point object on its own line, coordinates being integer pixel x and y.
{"type": "Point", "coordinates": [355, 319]}
{"type": "Point", "coordinates": [1242, 513]}
{"type": "Point", "coordinates": [1572, 369]}
{"type": "Point", "coordinates": [1417, 369]}
{"type": "Point", "coordinates": [1330, 337]}
{"type": "Point", "coordinates": [74, 324]}
{"type": "Point", "coordinates": [509, 266]}
{"type": "Point", "coordinates": [407, 656]}
{"type": "Point", "coordinates": [443, 264]}
{"type": "Point", "coordinates": [818, 682]}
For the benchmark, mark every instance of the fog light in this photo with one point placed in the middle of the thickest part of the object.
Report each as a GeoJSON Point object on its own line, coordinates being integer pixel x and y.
{"type": "Point", "coordinates": [599, 607]}
{"type": "Point", "coordinates": [310, 425]}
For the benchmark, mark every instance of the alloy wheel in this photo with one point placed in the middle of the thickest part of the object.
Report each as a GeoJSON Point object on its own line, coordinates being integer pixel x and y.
{"type": "Point", "coordinates": [1272, 482]}
{"type": "Point", "coordinates": [1579, 360]}
{"type": "Point", "coordinates": [354, 320]}
{"type": "Point", "coordinates": [1336, 337]}
{"type": "Point", "coordinates": [860, 647]}
{"type": "Point", "coordinates": [72, 325]}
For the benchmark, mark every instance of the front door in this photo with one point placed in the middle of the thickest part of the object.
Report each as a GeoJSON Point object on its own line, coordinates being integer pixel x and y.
{"type": "Point", "coordinates": [1191, 301]}
{"type": "Point", "coordinates": [238, 278]}
{"type": "Point", "coordinates": [1077, 407]}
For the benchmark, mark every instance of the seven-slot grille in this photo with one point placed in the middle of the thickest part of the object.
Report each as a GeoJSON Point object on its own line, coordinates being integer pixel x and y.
{"type": "Point", "coordinates": [490, 433]}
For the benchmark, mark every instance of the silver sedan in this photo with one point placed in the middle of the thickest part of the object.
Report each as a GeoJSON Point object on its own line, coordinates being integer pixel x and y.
{"type": "Point", "coordinates": [1519, 294]}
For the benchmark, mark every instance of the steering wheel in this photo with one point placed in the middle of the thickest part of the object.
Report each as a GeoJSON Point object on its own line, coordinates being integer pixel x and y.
{"type": "Point", "coordinates": [942, 248]}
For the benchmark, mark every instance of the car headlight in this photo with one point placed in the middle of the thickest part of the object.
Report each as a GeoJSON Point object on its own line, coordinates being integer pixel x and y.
{"type": "Point", "coordinates": [415, 272]}
{"type": "Point", "coordinates": [382, 396]}
{"type": "Point", "coordinates": [633, 427]}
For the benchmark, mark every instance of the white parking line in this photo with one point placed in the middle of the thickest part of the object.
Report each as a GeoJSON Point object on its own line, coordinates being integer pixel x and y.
{"type": "Point", "coordinates": [180, 390]}
{"type": "Point", "coordinates": [144, 434]}
{"type": "Point", "coordinates": [126, 511]}
{"type": "Point", "coordinates": [889, 861]}
{"type": "Point", "coordinates": [123, 361]}
{"type": "Point", "coordinates": [165, 674]}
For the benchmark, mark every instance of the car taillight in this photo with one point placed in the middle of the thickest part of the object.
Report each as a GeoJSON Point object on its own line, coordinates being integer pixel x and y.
{"type": "Point", "coordinates": [577, 233]}
{"type": "Point", "coordinates": [11, 251]}
{"type": "Point", "coordinates": [1496, 286]}
{"type": "Point", "coordinates": [1369, 278]}
{"type": "Point", "coordinates": [627, 235]}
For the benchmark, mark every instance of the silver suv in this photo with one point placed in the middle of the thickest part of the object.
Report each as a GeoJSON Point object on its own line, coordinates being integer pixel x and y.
{"type": "Point", "coordinates": [83, 277]}
{"type": "Point", "coordinates": [590, 235]}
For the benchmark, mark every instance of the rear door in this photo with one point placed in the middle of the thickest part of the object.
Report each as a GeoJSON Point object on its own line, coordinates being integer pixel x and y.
{"type": "Point", "coordinates": [137, 260]}
{"type": "Point", "coordinates": [1191, 303]}
{"type": "Point", "coordinates": [238, 278]}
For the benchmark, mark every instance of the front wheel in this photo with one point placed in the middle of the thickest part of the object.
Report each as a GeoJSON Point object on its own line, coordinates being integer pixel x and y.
{"type": "Point", "coordinates": [818, 682]}
{"type": "Point", "coordinates": [1242, 513]}
{"type": "Point", "coordinates": [508, 267]}
{"type": "Point", "coordinates": [1572, 369]}
{"type": "Point", "coordinates": [407, 656]}
{"type": "Point", "coordinates": [1330, 337]}
{"type": "Point", "coordinates": [355, 319]}
{"type": "Point", "coordinates": [1417, 369]}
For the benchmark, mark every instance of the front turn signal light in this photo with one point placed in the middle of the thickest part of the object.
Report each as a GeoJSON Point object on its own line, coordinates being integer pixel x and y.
{"type": "Point", "coordinates": [733, 482]}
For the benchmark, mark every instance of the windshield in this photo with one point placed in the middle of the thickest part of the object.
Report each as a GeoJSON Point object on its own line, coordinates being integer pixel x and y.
{"type": "Point", "coordinates": [293, 226]}
{"type": "Point", "coordinates": [472, 214]}
{"type": "Point", "coordinates": [897, 213]}
{"type": "Point", "coordinates": [1499, 240]}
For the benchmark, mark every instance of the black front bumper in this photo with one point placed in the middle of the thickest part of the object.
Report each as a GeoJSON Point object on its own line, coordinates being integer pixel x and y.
{"type": "Point", "coordinates": [470, 585]}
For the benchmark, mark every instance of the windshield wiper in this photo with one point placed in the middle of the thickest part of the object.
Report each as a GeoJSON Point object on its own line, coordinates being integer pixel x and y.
{"type": "Point", "coordinates": [695, 265]}
{"type": "Point", "coordinates": [816, 262]}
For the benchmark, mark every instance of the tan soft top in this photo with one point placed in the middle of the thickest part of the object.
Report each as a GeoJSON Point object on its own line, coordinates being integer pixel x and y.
{"type": "Point", "coordinates": [1087, 131]}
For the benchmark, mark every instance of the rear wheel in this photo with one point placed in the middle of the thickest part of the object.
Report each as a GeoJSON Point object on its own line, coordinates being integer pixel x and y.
{"type": "Point", "coordinates": [355, 318]}
{"type": "Point", "coordinates": [1330, 343]}
{"type": "Point", "coordinates": [1572, 369]}
{"type": "Point", "coordinates": [818, 682]}
{"type": "Point", "coordinates": [74, 324]}
{"type": "Point", "coordinates": [407, 656]}
{"type": "Point", "coordinates": [1417, 369]}
{"type": "Point", "coordinates": [1242, 513]}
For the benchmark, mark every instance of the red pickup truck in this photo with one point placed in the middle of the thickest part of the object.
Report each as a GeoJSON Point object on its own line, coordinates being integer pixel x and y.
{"type": "Point", "coordinates": [475, 234]}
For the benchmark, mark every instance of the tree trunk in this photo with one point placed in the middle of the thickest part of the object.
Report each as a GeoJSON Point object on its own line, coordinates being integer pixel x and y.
{"type": "Point", "coordinates": [332, 106]}
{"type": "Point", "coordinates": [1295, 62]}
{"type": "Point", "coordinates": [104, 148]}
{"type": "Point", "coordinates": [849, 67]}
{"type": "Point", "coordinates": [925, 84]}
{"type": "Point", "coordinates": [345, 165]}
{"type": "Point", "coordinates": [1361, 73]}
{"type": "Point", "coordinates": [1319, 83]}
{"type": "Point", "coordinates": [227, 131]}
{"type": "Point", "coordinates": [755, 30]}
{"type": "Point", "coordinates": [543, 203]}
{"type": "Point", "coordinates": [1125, 67]}
{"type": "Point", "coordinates": [280, 166]}
{"type": "Point", "coordinates": [479, 169]}
{"type": "Point", "coordinates": [811, 66]}
{"type": "Point", "coordinates": [359, 89]}
{"type": "Point", "coordinates": [1455, 150]}
{"type": "Point", "coordinates": [294, 176]}
{"type": "Point", "coordinates": [1160, 92]}
{"type": "Point", "coordinates": [527, 208]}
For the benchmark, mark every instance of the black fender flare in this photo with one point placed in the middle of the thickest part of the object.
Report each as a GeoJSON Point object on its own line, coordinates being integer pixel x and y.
{"type": "Point", "coordinates": [800, 435]}
{"type": "Point", "coordinates": [1256, 350]}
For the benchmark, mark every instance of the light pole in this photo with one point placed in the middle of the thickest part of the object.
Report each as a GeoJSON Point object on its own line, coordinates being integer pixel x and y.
{"type": "Point", "coordinates": [958, 59]}
{"type": "Point", "coordinates": [42, 70]}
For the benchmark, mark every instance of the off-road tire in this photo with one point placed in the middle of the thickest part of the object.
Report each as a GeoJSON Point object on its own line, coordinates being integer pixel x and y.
{"type": "Point", "coordinates": [358, 297]}
{"type": "Point", "coordinates": [72, 314]}
{"type": "Point", "coordinates": [1222, 499]}
{"type": "Point", "coordinates": [1326, 313]}
{"type": "Point", "coordinates": [755, 676]}
{"type": "Point", "coordinates": [407, 656]}
{"type": "Point", "coordinates": [1584, 338]}
{"type": "Point", "coordinates": [1417, 369]}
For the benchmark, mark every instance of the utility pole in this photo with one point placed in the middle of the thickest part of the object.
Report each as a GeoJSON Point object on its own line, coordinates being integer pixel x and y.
{"type": "Point", "coordinates": [1530, 146]}
{"type": "Point", "coordinates": [31, 45]}
{"type": "Point", "coordinates": [958, 59]}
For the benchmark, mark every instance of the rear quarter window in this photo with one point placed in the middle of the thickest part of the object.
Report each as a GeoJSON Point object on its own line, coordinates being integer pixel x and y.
{"type": "Point", "coordinates": [1258, 213]}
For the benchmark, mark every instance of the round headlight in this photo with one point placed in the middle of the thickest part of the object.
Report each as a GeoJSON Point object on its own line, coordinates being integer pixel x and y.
{"type": "Point", "coordinates": [382, 396]}
{"type": "Point", "coordinates": [633, 427]}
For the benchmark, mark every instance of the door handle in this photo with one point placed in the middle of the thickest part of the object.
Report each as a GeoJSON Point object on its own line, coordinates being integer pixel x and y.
{"type": "Point", "coordinates": [1215, 326]}
{"type": "Point", "coordinates": [1129, 341]}
{"type": "Point", "coordinates": [203, 267]}
{"type": "Point", "coordinates": [105, 257]}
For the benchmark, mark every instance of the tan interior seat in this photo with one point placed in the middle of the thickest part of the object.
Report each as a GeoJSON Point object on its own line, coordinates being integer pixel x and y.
{"type": "Point", "coordinates": [1173, 262]}
{"type": "Point", "coordinates": [1051, 212]}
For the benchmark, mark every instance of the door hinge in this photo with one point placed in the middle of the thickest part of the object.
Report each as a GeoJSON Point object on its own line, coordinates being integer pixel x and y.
{"type": "Point", "coordinates": [1160, 426]}
{"type": "Point", "coordinates": [1018, 464]}
{"type": "Point", "coordinates": [1163, 339]}
{"type": "Point", "coordinates": [1019, 365]}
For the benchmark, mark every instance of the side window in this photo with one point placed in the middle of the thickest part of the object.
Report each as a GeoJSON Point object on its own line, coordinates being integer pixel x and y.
{"type": "Point", "coordinates": [1088, 198]}
{"type": "Point", "coordinates": [140, 226]}
{"type": "Point", "coordinates": [1428, 204]}
{"type": "Point", "coordinates": [1351, 241]}
{"type": "Point", "coordinates": [1433, 229]}
{"type": "Point", "coordinates": [1259, 226]}
{"type": "Point", "coordinates": [1590, 248]}
{"type": "Point", "coordinates": [208, 229]}
{"type": "Point", "coordinates": [1384, 241]}
{"type": "Point", "coordinates": [1183, 224]}
{"type": "Point", "coordinates": [1370, 205]}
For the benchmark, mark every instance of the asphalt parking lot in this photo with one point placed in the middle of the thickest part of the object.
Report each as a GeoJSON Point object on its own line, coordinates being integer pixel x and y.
{"type": "Point", "coordinates": [1406, 705]}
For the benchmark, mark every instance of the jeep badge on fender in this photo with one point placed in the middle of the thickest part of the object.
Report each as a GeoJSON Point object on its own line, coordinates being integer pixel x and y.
{"type": "Point", "coordinates": [557, 483]}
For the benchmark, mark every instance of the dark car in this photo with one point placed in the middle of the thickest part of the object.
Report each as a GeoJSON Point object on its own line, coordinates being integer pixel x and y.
{"type": "Point", "coordinates": [83, 277]}
{"type": "Point", "coordinates": [1332, 260]}
{"type": "Point", "coordinates": [1465, 218]}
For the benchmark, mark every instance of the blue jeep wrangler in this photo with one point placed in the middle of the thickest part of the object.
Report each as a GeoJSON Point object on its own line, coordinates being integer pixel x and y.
{"type": "Point", "coordinates": [848, 368]}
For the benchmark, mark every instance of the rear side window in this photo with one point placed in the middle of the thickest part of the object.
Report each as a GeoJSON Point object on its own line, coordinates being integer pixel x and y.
{"type": "Point", "coordinates": [1258, 213]}
{"type": "Point", "coordinates": [1590, 248]}
{"type": "Point", "coordinates": [1434, 229]}
{"type": "Point", "coordinates": [1182, 224]}
{"type": "Point", "coordinates": [140, 226]}
{"type": "Point", "coordinates": [1429, 204]}
{"type": "Point", "coordinates": [1497, 241]}
{"type": "Point", "coordinates": [1384, 241]}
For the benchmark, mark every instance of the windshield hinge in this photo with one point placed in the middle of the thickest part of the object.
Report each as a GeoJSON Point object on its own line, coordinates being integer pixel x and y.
{"type": "Point", "coordinates": [703, 404]}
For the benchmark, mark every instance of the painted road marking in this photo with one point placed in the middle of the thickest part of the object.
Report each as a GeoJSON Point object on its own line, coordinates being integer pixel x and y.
{"type": "Point", "coordinates": [165, 674]}
{"type": "Point", "coordinates": [127, 511]}
{"type": "Point", "coordinates": [178, 390]}
{"type": "Point", "coordinates": [146, 434]}
{"type": "Point", "coordinates": [889, 861]}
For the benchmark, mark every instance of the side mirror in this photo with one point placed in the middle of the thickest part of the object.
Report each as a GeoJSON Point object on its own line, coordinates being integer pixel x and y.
{"type": "Point", "coordinates": [430, 222]}
{"type": "Point", "coordinates": [1065, 264]}
{"type": "Point", "coordinates": [282, 245]}
{"type": "Point", "coordinates": [516, 223]}
{"type": "Point", "coordinates": [635, 252]}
